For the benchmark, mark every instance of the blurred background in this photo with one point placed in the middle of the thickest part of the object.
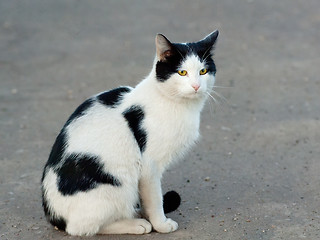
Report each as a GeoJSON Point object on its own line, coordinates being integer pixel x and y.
{"type": "Point", "coordinates": [255, 172]}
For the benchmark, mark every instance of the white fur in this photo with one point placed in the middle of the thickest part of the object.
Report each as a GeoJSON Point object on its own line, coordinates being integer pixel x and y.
{"type": "Point", "coordinates": [172, 115]}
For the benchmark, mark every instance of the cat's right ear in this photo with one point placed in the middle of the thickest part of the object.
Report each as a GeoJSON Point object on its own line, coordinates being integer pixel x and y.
{"type": "Point", "coordinates": [164, 48]}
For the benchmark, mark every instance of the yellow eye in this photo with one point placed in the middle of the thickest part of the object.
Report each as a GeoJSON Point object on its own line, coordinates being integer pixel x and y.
{"type": "Point", "coordinates": [203, 71]}
{"type": "Point", "coordinates": [182, 72]}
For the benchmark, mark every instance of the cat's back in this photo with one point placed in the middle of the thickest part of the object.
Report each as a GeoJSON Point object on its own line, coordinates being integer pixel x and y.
{"type": "Point", "coordinates": [97, 127]}
{"type": "Point", "coordinates": [98, 122]}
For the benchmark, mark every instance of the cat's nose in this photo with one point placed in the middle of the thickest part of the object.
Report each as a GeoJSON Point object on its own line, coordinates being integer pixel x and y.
{"type": "Point", "coordinates": [195, 86]}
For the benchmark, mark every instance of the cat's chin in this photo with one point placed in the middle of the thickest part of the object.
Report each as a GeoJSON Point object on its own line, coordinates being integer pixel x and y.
{"type": "Point", "coordinates": [193, 96]}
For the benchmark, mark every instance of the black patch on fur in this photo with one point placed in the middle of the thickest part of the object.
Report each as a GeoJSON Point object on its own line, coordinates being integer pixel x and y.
{"type": "Point", "coordinates": [82, 173]}
{"type": "Point", "coordinates": [80, 110]}
{"type": "Point", "coordinates": [113, 97]}
{"type": "Point", "coordinates": [59, 145]}
{"type": "Point", "coordinates": [204, 53]}
{"type": "Point", "coordinates": [55, 158]}
{"type": "Point", "coordinates": [56, 151]}
{"type": "Point", "coordinates": [58, 222]}
{"type": "Point", "coordinates": [134, 116]}
{"type": "Point", "coordinates": [171, 201]}
{"type": "Point", "coordinates": [164, 69]}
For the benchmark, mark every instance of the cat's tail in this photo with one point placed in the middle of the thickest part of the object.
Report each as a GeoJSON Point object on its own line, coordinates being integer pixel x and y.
{"type": "Point", "coordinates": [171, 201]}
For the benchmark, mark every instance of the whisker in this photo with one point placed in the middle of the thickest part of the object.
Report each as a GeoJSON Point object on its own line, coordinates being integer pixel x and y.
{"type": "Point", "coordinates": [217, 103]}
{"type": "Point", "coordinates": [183, 58]}
{"type": "Point", "coordinates": [217, 98]}
{"type": "Point", "coordinates": [211, 108]}
{"type": "Point", "coordinates": [221, 97]}
{"type": "Point", "coordinates": [213, 98]}
{"type": "Point", "coordinates": [204, 57]}
{"type": "Point", "coordinates": [221, 87]}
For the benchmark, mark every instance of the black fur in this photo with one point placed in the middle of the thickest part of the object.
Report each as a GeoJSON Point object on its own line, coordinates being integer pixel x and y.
{"type": "Point", "coordinates": [171, 201]}
{"type": "Point", "coordinates": [55, 158]}
{"type": "Point", "coordinates": [164, 69]}
{"type": "Point", "coordinates": [203, 49]}
{"type": "Point", "coordinates": [80, 110]}
{"type": "Point", "coordinates": [82, 173]}
{"type": "Point", "coordinates": [56, 151]}
{"type": "Point", "coordinates": [113, 97]}
{"type": "Point", "coordinates": [59, 145]}
{"type": "Point", "coordinates": [134, 116]}
{"type": "Point", "coordinates": [59, 222]}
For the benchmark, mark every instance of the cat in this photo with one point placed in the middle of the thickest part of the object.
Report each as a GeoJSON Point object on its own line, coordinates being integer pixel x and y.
{"type": "Point", "coordinates": [112, 151]}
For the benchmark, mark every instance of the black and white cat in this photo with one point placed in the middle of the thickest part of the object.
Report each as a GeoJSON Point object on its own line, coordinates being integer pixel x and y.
{"type": "Point", "coordinates": [112, 151]}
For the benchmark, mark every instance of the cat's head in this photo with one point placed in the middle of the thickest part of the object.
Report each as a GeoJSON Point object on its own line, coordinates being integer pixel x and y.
{"type": "Point", "coordinates": [185, 70]}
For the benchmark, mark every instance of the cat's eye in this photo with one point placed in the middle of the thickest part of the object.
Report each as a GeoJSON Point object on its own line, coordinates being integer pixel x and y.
{"type": "Point", "coordinates": [182, 72]}
{"type": "Point", "coordinates": [203, 71]}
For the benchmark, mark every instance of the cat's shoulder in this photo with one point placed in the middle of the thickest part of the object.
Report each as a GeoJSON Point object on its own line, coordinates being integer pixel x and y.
{"type": "Point", "coordinates": [113, 98]}
{"type": "Point", "coordinates": [110, 99]}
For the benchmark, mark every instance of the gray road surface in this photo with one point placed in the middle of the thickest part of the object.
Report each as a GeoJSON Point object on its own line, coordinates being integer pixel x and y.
{"type": "Point", "coordinates": [255, 174]}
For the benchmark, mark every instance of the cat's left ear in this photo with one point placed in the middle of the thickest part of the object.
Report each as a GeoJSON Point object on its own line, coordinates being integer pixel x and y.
{"type": "Point", "coordinates": [164, 48]}
{"type": "Point", "coordinates": [209, 41]}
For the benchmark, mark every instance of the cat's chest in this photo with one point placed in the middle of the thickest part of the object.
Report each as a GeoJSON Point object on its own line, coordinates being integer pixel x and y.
{"type": "Point", "coordinates": [171, 132]}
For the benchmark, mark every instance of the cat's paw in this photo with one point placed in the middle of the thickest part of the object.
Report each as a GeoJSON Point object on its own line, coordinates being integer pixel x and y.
{"type": "Point", "coordinates": [142, 226]}
{"type": "Point", "coordinates": [166, 227]}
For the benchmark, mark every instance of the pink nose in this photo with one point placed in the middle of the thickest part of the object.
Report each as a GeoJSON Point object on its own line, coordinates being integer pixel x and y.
{"type": "Point", "coordinates": [195, 86]}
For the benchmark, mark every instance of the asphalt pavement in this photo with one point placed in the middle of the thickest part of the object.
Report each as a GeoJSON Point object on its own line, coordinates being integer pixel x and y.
{"type": "Point", "coordinates": [255, 173]}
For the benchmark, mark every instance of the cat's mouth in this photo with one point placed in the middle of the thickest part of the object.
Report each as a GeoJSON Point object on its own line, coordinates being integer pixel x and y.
{"type": "Point", "coordinates": [195, 94]}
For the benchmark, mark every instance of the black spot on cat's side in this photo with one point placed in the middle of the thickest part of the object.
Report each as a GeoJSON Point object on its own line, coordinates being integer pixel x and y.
{"type": "Point", "coordinates": [58, 222]}
{"type": "Point", "coordinates": [56, 151]}
{"type": "Point", "coordinates": [59, 145]}
{"type": "Point", "coordinates": [113, 97]}
{"type": "Point", "coordinates": [134, 116]}
{"type": "Point", "coordinates": [82, 173]}
{"type": "Point", "coordinates": [55, 158]}
{"type": "Point", "coordinates": [80, 111]}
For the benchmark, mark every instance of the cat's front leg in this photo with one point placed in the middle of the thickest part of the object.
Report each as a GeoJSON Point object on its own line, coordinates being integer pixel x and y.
{"type": "Point", "coordinates": [151, 196]}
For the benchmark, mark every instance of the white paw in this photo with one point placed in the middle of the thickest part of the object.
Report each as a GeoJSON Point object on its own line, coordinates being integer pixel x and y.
{"type": "Point", "coordinates": [166, 227]}
{"type": "Point", "coordinates": [142, 226]}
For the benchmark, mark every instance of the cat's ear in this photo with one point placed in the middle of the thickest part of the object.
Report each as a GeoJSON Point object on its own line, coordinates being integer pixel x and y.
{"type": "Point", "coordinates": [164, 48]}
{"type": "Point", "coordinates": [208, 43]}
